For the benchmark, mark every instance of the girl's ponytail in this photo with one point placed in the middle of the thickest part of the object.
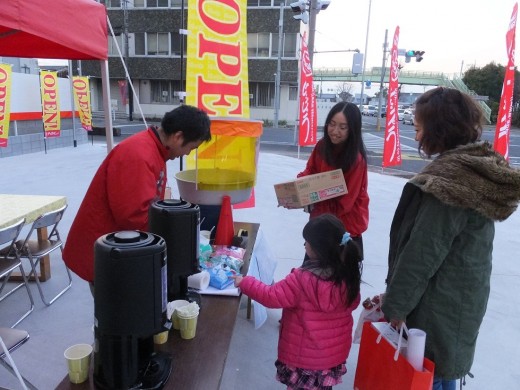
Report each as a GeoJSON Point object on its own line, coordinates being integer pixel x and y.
{"type": "Point", "coordinates": [353, 266]}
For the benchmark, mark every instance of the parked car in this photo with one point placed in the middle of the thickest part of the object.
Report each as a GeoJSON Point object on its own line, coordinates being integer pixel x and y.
{"type": "Point", "coordinates": [409, 116]}
{"type": "Point", "coordinates": [369, 110]}
{"type": "Point", "coordinates": [400, 114]}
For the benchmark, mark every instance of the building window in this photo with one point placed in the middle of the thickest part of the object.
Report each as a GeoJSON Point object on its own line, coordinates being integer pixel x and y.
{"type": "Point", "coordinates": [157, 44]}
{"type": "Point", "coordinates": [176, 44]}
{"type": "Point", "coordinates": [263, 94]}
{"type": "Point", "coordinates": [165, 92]}
{"type": "Point", "coordinates": [293, 92]}
{"type": "Point", "coordinates": [160, 91]}
{"type": "Point", "coordinates": [113, 3]}
{"type": "Point", "coordinates": [157, 3]}
{"type": "Point", "coordinates": [140, 46]}
{"type": "Point", "coordinates": [150, 3]}
{"type": "Point", "coordinates": [258, 44]}
{"type": "Point", "coordinates": [266, 45]}
{"type": "Point", "coordinates": [112, 49]}
{"type": "Point", "coordinates": [152, 44]}
{"type": "Point", "coordinates": [289, 45]}
{"type": "Point", "coordinates": [259, 3]}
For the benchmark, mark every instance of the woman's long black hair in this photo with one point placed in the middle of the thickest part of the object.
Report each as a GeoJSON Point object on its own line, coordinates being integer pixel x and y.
{"type": "Point", "coordinates": [353, 146]}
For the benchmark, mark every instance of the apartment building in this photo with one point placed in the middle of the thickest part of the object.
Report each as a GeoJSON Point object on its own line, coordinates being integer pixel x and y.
{"type": "Point", "coordinates": [147, 35]}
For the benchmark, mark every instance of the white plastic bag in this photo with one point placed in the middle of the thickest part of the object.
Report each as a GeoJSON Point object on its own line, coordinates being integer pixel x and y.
{"type": "Point", "coordinates": [373, 314]}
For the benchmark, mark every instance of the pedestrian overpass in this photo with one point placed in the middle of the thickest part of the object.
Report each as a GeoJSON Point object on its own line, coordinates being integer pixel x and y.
{"type": "Point", "coordinates": [375, 75]}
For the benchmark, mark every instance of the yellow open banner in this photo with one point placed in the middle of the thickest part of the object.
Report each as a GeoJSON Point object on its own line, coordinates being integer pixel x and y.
{"type": "Point", "coordinates": [5, 102]}
{"type": "Point", "coordinates": [81, 88]}
{"type": "Point", "coordinates": [50, 103]}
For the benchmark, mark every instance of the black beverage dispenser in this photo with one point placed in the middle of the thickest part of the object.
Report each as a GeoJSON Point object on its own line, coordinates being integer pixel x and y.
{"type": "Point", "coordinates": [177, 221]}
{"type": "Point", "coordinates": [129, 308]}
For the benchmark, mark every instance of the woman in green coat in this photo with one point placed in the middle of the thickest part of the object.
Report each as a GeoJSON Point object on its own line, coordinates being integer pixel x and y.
{"type": "Point", "coordinates": [441, 238]}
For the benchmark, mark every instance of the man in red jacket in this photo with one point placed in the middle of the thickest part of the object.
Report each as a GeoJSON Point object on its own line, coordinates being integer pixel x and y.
{"type": "Point", "coordinates": [129, 180]}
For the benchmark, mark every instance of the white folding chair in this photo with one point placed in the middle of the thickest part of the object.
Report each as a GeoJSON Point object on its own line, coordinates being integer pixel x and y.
{"type": "Point", "coordinates": [9, 262]}
{"type": "Point", "coordinates": [11, 339]}
{"type": "Point", "coordinates": [35, 249]}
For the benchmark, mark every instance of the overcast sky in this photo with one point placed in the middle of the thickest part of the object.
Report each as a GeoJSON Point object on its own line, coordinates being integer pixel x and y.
{"type": "Point", "coordinates": [454, 34]}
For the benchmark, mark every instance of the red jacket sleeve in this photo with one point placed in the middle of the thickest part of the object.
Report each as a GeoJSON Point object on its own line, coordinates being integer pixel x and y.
{"type": "Point", "coordinates": [312, 166]}
{"type": "Point", "coordinates": [356, 180]}
{"type": "Point", "coordinates": [131, 188]}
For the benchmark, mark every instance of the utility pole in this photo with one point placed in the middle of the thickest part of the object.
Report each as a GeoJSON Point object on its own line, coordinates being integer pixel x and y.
{"type": "Point", "coordinates": [312, 29]}
{"type": "Point", "coordinates": [182, 34]}
{"type": "Point", "coordinates": [381, 85]}
{"type": "Point", "coordinates": [365, 58]}
{"type": "Point", "coordinates": [278, 68]}
{"type": "Point", "coordinates": [127, 55]}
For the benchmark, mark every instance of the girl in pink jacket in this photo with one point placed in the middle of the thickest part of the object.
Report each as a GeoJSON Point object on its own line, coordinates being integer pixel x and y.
{"type": "Point", "coordinates": [317, 301]}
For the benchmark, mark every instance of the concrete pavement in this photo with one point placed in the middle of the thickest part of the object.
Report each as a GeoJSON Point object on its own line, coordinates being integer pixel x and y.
{"type": "Point", "coordinates": [250, 363]}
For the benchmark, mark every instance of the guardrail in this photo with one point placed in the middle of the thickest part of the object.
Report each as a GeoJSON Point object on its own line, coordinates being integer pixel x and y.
{"type": "Point", "coordinates": [405, 77]}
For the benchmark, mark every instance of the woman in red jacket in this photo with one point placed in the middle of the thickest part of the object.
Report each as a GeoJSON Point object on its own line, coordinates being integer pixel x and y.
{"type": "Point", "coordinates": [317, 301]}
{"type": "Point", "coordinates": [342, 148]}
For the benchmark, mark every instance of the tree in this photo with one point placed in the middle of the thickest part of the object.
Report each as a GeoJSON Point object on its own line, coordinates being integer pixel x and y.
{"type": "Point", "coordinates": [488, 81]}
{"type": "Point", "coordinates": [385, 93]}
{"type": "Point", "coordinates": [343, 90]}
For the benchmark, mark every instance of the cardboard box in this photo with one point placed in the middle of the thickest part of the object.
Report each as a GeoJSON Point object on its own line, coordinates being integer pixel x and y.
{"type": "Point", "coordinates": [311, 189]}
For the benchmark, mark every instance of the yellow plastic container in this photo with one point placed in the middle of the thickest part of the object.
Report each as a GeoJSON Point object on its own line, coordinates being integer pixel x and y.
{"type": "Point", "coordinates": [224, 166]}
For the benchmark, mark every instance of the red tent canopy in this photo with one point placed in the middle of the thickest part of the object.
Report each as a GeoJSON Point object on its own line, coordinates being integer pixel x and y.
{"type": "Point", "coordinates": [64, 29]}
{"type": "Point", "coordinates": [60, 29]}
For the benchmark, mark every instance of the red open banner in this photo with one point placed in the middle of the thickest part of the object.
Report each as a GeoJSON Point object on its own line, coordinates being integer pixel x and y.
{"type": "Point", "coordinates": [308, 114]}
{"type": "Point", "coordinates": [392, 144]}
{"type": "Point", "coordinates": [503, 128]}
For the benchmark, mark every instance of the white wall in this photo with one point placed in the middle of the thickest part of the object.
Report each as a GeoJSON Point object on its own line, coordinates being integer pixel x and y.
{"type": "Point", "coordinates": [25, 93]}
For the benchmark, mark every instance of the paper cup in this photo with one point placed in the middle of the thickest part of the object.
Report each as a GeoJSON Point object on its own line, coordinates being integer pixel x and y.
{"type": "Point", "coordinates": [188, 325]}
{"type": "Point", "coordinates": [416, 345]}
{"type": "Point", "coordinates": [78, 362]}
{"type": "Point", "coordinates": [160, 338]}
{"type": "Point", "coordinates": [176, 304]}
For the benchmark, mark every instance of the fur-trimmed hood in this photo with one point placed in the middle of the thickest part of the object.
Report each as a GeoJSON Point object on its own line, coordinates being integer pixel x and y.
{"type": "Point", "coordinates": [473, 176]}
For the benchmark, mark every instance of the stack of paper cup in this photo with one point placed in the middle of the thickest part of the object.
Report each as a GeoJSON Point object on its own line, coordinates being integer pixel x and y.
{"type": "Point", "coordinates": [188, 320]}
{"type": "Point", "coordinates": [172, 311]}
{"type": "Point", "coordinates": [415, 350]}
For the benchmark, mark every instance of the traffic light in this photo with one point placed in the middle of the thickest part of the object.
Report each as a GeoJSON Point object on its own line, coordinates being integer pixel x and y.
{"type": "Point", "coordinates": [414, 53]}
{"type": "Point", "coordinates": [300, 7]}
{"type": "Point", "coordinates": [322, 5]}
{"type": "Point", "coordinates": [418, 55]}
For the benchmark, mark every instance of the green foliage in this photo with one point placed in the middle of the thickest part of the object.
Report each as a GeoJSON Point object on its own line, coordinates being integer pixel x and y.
{"type": "Point", "coordinates": [282, 123]}
{"type": "Point", "coordinates": [268, 123]}
{"type": "Point", "coordinates": [488, 81]}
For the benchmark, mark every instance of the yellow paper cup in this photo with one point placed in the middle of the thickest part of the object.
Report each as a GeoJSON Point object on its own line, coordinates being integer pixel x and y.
{"type": "Point", "coordinates": [78, 362]}
{"type": "Point", "coordinates": [175, 319]}
{"type": "Point", "coordinates": [161, 338]}
{"type": "Point", "coordinates": [188, 325]}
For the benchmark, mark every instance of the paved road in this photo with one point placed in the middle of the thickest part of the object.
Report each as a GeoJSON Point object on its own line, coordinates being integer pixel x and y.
{"type": "Point", "coordinates": [282, 141]}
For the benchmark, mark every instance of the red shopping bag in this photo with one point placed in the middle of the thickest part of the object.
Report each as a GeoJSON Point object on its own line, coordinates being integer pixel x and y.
{"type": "Point", "coordinates": [377, 369]}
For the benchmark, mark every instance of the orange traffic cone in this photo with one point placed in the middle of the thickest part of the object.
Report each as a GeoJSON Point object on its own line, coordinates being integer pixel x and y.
{"type": "Point", "coordinates": [225, 230]}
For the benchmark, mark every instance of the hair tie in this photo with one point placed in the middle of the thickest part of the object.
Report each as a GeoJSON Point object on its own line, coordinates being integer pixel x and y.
{"type": "Point", "coordinates": [345, 238]}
